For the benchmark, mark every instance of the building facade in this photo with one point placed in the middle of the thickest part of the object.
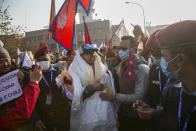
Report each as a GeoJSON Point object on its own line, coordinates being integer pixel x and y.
{"type": "Point", "coordinates": [100, 30]}
{"type": "Point", "coordinates": [151, 29]}
{"type": "Point", "coordinates": [39, 37]}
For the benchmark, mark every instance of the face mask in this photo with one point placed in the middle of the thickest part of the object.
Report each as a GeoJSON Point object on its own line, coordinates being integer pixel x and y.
{"type": "Point", "coordinates": [124, 55]}
{"type": "Point", "coordinates": [112, 65]}
{"type": "Point", "coordinates": [44, 64]}
{"type": "Point", "coordinates": [33, 62]}
{"type": "Point", "coordinates": [174, 74]}
{"type": "Point", "coordinates": [156, 61]}
{"type": "Point", "coordinates": [164, 67]}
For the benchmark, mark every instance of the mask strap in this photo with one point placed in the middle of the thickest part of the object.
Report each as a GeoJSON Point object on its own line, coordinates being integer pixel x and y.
{"type": "Point", "coordinates": [173, 58]}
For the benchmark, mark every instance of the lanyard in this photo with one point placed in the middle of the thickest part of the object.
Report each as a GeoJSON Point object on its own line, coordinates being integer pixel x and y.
{"type": "Point", "coordinates": [166, 84]}
{"type": "Point", "coordinates": [180, 113]}
{"type": "Point", "coordinates": [45, 81]}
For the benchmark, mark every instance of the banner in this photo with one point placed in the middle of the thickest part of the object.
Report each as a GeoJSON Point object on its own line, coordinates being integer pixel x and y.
{"type": "Point", "coordinates": [10, 88]}
{"type": "Point", "coordinates": [27, 61]}
{"type": "Point", "coordinates": [64, 52]}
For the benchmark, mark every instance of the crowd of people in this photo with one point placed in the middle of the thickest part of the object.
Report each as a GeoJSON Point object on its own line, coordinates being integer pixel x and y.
{"type": "Point", "coordinates": [108, 89]}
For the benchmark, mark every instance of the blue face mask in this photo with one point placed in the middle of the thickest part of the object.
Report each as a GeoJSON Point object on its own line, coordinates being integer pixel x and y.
{"type": "Point", "coordinates": [164, 67]}
{"type": "Point", "coordinates": [124, 54]}
{"type": "Point", "coordinates": [156, 61]}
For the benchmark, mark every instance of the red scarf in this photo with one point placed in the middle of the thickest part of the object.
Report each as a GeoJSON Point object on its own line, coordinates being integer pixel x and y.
{"type": "Point", "coordinates": [131, 65]}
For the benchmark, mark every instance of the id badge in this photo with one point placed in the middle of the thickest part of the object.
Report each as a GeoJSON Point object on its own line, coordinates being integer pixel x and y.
{"type": "Point", "coordinates": [159, 107]}
{"type": "Point", "coordinates": [49, 99]}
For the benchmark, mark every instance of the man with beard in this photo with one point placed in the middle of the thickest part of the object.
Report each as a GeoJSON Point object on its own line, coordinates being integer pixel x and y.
{"type": "Point", "coordinates": [133, 80]}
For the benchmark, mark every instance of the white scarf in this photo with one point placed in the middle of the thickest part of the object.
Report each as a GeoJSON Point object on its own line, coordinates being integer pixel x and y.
{"type": "Point", "coordinates": [82, 75]}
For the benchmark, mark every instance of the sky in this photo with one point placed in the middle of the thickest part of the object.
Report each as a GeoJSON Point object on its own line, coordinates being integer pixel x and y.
{"type": "Point", "coordinates": [34, 14]}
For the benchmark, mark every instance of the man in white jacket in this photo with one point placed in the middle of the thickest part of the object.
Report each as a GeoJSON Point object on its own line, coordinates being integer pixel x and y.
{"type": "Point", "coordinates": [90, 78]}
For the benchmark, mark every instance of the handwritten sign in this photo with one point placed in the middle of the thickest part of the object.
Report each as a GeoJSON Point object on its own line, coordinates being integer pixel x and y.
{"type": "Point", "coordinates": [10, 88]}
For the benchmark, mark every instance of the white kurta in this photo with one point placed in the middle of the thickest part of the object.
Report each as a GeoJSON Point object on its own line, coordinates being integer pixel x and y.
{"type": "Point", "coordinates": [93, 114]}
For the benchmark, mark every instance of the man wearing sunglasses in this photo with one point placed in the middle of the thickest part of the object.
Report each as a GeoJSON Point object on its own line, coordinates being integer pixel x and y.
{"type": "Point", "coordinates": [133, 80]}
{"type": "Point", "coordinates": [90, 78]}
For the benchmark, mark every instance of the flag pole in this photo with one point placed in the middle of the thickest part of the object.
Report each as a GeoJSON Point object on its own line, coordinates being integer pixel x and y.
{"type": "Point", "coordinates": [76, 39]}
{"type": "Point", "coordinates": [57, 46]}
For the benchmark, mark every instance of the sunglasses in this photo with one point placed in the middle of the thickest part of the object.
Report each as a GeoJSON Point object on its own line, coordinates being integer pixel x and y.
{"type": "Point", "coordinates": [89, 47]}
{"type": "Point", "coordinates": [122, 48]}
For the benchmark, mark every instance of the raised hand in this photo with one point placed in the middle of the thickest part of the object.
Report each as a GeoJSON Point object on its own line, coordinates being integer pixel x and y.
{"type": "Point", "coordinates": [36, 74]}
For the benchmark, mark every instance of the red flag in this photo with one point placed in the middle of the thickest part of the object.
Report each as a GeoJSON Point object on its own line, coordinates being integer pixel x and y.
{"type": "Point", "coordinates": [87, 35]}
{"type": "Point", "coordinates": [106, 42]}
{"type": "Point", "coordinates": [63, 26]}
{"type": "Point", "coordinates": [131, 65]}
{"type": "Point", "coordinates": [43, 40]}
{"type": "Point", "coordinates": [52, 15]}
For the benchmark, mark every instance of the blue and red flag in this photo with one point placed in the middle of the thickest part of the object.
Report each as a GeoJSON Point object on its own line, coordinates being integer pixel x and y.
{"type": "Point", "coordinates": [52, 15]}
{"type": "Point", "coordinates": [131, 66]}
{"type": "Point", "coordinates": [87, 35]}
{"type": "Point", "coordinates": [43, 40]}
{"type": "Point", "coordinates": [63, 26]}
{"type": "Point", "coordinates": [106, 42]}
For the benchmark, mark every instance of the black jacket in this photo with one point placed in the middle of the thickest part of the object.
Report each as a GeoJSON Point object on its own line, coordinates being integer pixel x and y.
{"type": "Point", "coordinates": [153, 94]}
{"type": "Point", "coordinates": [169, 118]}
{"type": "Point", "coordinates": [57, 114]}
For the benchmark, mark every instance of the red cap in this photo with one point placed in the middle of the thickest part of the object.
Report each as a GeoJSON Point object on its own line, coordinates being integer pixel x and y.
{"type": "Point", "coordinates": [42, 51]}
{"type": "Point", "coordinates": [182, 33]}
{"type": "Point", "coordinates": [152, 45]}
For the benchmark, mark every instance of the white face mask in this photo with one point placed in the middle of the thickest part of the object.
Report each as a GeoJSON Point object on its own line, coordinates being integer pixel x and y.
{"type": "Point", "coordinates": [33, 62]}
{"type": "Point", "coordinates": [44, 64]}
{"type": "Point", "coordinates": [124, 54]}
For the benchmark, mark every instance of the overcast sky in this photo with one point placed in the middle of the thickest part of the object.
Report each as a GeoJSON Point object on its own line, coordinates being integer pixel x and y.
{"type": "Point", "coordinates": [35, 13]}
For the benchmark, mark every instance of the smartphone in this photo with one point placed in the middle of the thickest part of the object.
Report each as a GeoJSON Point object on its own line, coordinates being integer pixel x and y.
{"type": "Point", "coordinates": [33, 67]}
{"type": "Point", "coordinates": [66, 81]}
